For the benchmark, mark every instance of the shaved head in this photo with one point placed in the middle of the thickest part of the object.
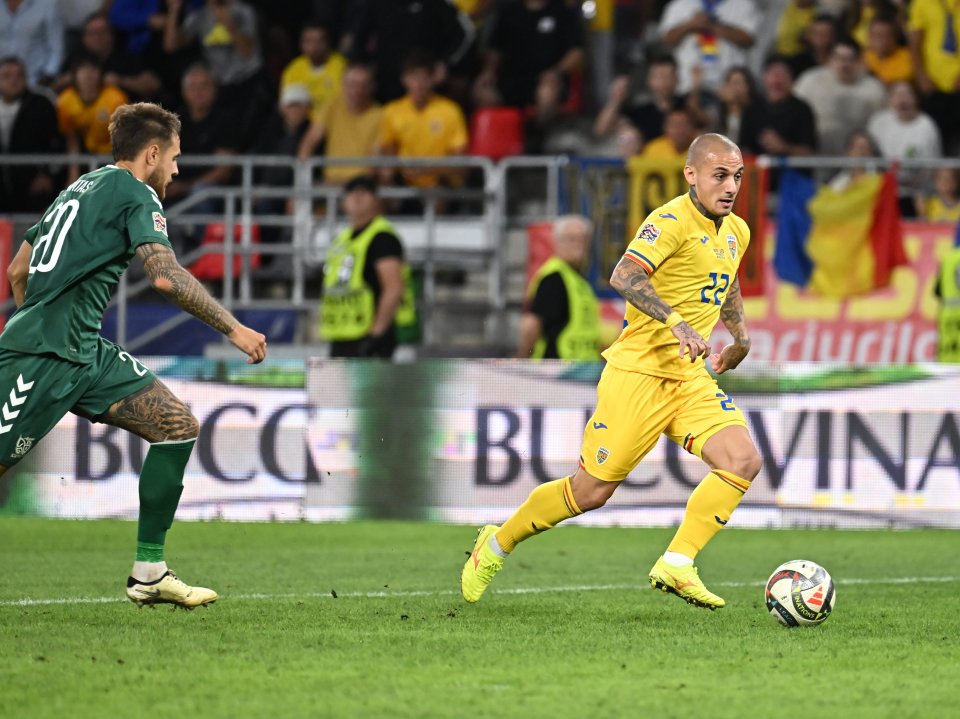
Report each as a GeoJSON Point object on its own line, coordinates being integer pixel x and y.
{"type": "Point", "coordinates": [714, 170]}
{"type": "Point", "coordinates": [711, 142]}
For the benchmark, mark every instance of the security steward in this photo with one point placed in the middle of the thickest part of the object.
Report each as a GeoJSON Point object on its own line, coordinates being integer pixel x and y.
{"type": "Point", "coordinates": [366, 283]}
{"type": "Point", "coordinates": [948, 288]}
{"type": "Point", "coordinates": [561, 319]}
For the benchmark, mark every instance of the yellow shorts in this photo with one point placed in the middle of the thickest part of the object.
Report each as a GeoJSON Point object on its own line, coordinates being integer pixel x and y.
{"type": "Point", "coordinates": [634, 409]}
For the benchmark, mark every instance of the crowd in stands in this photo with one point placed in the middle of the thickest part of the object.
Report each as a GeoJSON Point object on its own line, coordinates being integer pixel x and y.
{"type": "Point", "coordinates": [402, 77]}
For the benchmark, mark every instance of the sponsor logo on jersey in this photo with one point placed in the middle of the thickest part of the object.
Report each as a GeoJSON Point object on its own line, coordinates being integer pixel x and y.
{"type": "Point", "coordinates": [704, 240]}
{"type": "Point", "coordinates": [160, 223]}
{"type": "Point", "coordinates": [649, 232]}
{"type": "Point", "coordinates": [602, 454]}
{"type": "Point", "coordinates": [23, 446]}
{"type": "Point", "coordinates": [732, 246]}
{"type": "Point", "coordinates": [668, 216]}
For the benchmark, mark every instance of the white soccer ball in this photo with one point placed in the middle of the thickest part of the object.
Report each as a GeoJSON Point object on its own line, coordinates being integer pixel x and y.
{"type": "Point", "coordinates": [800, 593]}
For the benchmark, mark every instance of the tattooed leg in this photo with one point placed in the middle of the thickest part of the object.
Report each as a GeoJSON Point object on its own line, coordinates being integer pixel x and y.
{"type": "Point", "coordinates": [157, 416]}
{"type": "Point", "coordinates": [154, 414]}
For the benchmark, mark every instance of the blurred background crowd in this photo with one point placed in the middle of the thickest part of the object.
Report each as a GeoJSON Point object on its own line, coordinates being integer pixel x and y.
{"type": "Point", "coordinates": [405, 77]}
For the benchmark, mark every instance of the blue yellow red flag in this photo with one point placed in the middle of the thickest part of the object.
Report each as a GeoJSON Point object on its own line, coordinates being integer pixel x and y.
{"type": "Point", "coordinates": [839, 242]}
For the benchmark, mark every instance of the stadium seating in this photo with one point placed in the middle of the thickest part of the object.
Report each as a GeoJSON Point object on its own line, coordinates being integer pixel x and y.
{"type": "Point", "coordinates": [211, 266]}
{"type": "Point", "coordinates": [496, 132]}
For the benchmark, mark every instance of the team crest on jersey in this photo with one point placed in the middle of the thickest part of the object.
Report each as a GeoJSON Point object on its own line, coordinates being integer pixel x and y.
{"type": "Point", "coordinates": [602, 454]}
{"type": "Point", "coordinates": [649, 232]}
{"type": "Point", "coordinates": [23, 446]}
{"type": "Point", "coordinates": [732, 246]}
{"type": "Point", "coordinates": [160, 223]}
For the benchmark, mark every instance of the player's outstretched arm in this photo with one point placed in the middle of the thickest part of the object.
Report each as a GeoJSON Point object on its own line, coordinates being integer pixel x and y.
{"type": "Point", "coordinates": [19, 271]}
{"type": "Point", "coordinates": [731, 314]}
{"type": "Point", "coordinates": [180, 287]}
{"type": "Point", "coordinates": [633, 282]}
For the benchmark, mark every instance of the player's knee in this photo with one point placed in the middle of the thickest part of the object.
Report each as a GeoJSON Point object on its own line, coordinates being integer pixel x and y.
{"type": "Point", "coordinates": [590, 492]}
{"type": "Point", "coordinates": [747, 463]}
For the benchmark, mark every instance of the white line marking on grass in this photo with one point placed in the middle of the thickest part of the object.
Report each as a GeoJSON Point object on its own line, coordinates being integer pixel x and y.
{"type": "Point", "coordinates": [452, 592]}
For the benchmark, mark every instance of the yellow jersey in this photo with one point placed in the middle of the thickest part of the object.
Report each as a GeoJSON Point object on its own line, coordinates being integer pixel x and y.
{"type": "Point", "coordinates": [940, 60]}
{"type": "Point", "coordinates": [436, 130]}
{"type": "Point", "coordinates": [323, 82]}
{"type": "Point", "coordinates": [793, 23]}
{"type": "Point", "coordinates": [936, 210]}
{"type": "Point", "coordinates": [91, 122]}
{"type": "Point", "coordinates": [691, 266]}
{"type": "Point", "coordinates": [661, 148]}
{"type": "Point", "coordinates": [895, 68]}
{"type": "Point", "coordinates": [349, 135]}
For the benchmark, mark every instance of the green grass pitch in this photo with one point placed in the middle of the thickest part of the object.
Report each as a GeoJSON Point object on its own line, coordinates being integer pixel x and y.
{"type": "Point", "coordinates": [569, 627]}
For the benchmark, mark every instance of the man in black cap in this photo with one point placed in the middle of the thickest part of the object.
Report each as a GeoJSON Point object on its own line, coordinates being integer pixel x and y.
{"type": "Point", "coordinates": [366, 287]}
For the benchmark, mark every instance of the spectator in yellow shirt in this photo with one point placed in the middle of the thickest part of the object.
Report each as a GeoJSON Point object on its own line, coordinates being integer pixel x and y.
{"type": "Point", "coordinates": [934, 29]}
{"type": "Point", "coordinates": [886, 58]}
{"type": "Point", "coordinates": [84, 109]}
{"type": "Point", "coordinates": [422, 124]}
{"type": "Point", "coordinates": [679, 130]}
{"type": "Point", "coordinates": [796, 18]}
{"type": "Point", "coordinates": [319, 68]}
{"type": "Point", "coordinates": [944, 205]}
{"type": "Point", "coordinates": [349, 123]}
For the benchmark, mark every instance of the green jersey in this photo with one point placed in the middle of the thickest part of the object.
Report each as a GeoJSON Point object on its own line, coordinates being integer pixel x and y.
{"type": "Point", "coordinates": [82, 244]}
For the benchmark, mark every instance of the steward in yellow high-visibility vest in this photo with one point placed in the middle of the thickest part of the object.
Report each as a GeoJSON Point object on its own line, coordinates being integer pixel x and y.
{"type": "Point", "coordinates": [948, 346]}
{"type": "Point", "coordinates": [367, 293]}
{"type": "Point", "coordinates": [561, 319]}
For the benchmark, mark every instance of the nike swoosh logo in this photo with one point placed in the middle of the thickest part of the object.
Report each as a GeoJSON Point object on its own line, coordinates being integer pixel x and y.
{"type": "Point", "coordinates": [720, 520]}
{"type": "Point", "coordinates": [599, 425]}
{"type": "Point", "coordinates": [149, 592]}
{"type": "Point", "coordinates": [679, 583]}
{"type": "Point", "coordinates": [476, 557]}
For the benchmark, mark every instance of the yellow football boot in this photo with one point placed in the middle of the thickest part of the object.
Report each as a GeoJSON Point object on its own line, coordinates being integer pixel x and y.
{"type": "Point", "coordinates": [481, 565]}
{"type": "Point", "coordinates": [168, 590]}
{"type": "Point", "coordinates": [685, 583]}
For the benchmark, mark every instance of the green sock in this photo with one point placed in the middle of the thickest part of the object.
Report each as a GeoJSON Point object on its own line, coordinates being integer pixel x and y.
{"type": "Point", "coordinates": [149, 552]}
{"type": "Point", "coordinates": [161, 482]}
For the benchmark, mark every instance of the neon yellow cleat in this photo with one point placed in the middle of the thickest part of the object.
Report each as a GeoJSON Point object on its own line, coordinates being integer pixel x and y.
{"type": "Point", "coordinates": [168, 590]}
{"type": "Point", "coordinates": [480, 566]}
{"type": "Point", "coordinates": [685, 583]}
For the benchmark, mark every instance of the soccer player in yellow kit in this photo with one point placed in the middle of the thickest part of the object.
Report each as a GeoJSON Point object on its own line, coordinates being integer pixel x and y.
{"type": "Point", "coordinates": [679, 276]}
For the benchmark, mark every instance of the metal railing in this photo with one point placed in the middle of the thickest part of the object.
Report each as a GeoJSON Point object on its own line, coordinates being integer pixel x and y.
{"type": "Point", "coordinates": [473, 240]}
{"type": "Point", "coordinates": [433, 241]}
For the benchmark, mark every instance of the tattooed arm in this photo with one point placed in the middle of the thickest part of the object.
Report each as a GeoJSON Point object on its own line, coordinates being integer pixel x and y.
{"type": "Point", "coordinates": [731, 314]}
{"type": "Point", "coordinates": [180, 287]}
{"type": "Point", "coordinates": [633, 282]}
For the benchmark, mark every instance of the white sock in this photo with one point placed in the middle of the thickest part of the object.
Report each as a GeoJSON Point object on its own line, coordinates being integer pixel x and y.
{"type": "Point", "coordinates": [677, 559]}
{"type": "Point", "coordinates": [148, 571]}
{"type": "Point", "coordinates": [495, 547]}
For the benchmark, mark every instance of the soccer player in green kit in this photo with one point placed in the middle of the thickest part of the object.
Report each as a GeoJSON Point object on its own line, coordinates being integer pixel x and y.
{"type": "Point", "coordinates": [53, 359]}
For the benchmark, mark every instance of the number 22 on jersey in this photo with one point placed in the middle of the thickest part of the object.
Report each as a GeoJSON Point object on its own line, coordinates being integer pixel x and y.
{"type": "Point", "coordinates": [719, 285]}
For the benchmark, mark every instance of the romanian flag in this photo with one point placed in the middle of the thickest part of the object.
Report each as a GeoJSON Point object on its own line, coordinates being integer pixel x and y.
{"type": "Point", "coordinates": [842, 242]}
